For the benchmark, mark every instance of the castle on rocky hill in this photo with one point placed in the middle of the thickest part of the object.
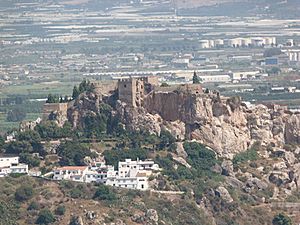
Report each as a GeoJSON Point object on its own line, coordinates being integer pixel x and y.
{"type": "Point", "coordinates": [134, 91]}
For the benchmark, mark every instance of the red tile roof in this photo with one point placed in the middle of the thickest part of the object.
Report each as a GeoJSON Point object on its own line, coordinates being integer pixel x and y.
{"type": "Point", "coordinates": [72, 168]}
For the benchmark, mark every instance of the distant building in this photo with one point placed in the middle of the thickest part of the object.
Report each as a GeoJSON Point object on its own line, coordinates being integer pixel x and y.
{"type": "Point", "coordinates": [294, 55]}
{"type": "Point", "coordinates": [244, 75]}
{"type": "Point", "coordinates": [211, 43]}
{"type": "Point", "coordinates": [10, 165]}
{"type": "Point", "coordinates": [215, 78]}
{"type": "Point", "coordinates": [252, 41]}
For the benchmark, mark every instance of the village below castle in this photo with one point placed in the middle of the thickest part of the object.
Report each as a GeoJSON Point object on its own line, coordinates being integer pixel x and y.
{"type": "Point", "coordinates": [130, 174]}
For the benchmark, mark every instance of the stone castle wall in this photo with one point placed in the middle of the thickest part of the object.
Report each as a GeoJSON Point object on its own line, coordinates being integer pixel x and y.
{"type": "Point", "coordinates": [58, 108]}
{"type": "Point", "coordinates": [105, 87]}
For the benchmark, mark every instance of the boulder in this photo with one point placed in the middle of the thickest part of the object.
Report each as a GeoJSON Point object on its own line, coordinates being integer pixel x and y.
{"type": "Point", "coordinates": [279, 178]}
{"type": "Point", "coordinates": [255, 183]}
{"type": "Point", "coordinates": [223, 194]}
{"type": "Point", "coordinates": [152, 215]}
{"type": "Point", "coordinates": [227, 168]}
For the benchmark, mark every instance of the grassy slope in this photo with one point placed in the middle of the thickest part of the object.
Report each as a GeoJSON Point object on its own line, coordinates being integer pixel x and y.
{"type": "Point", "coordinates": [171, 209]}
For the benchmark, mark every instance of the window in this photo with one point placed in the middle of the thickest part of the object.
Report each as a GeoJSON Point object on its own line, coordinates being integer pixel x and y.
{"type": "Point", "coordinates": [142, 186]}
{"type": "Point", "coordinates": [125, 86]}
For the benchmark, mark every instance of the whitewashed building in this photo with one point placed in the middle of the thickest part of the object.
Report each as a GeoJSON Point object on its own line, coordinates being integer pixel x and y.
{"type": "Point", "coordinates": [9, 164]}
{"type": "Point", "coordinates": [74, 173]}
{"type": "Point", "coordinates": [130, 174]}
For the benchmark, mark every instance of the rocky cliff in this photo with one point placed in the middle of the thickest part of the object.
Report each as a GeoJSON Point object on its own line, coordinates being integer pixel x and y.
{"type": "Point", "coordinates": [225, 124]}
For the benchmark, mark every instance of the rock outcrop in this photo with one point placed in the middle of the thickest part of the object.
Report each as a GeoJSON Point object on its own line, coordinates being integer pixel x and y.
{"type": "Point", "coordinates": [224, 124]}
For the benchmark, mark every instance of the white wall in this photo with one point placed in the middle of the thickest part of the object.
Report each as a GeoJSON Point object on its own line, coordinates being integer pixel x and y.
{"type": "Point", "coordinates": [8, 161]}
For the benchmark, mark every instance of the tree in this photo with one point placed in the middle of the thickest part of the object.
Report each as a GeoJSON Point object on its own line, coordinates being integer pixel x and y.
{"type": "Point", "coordinates": [24, 193]}
{"type": "Point", "coordinates": [52, 98]}
{"type": "Point", "coordinates": [85, 85]}
{"type": "Point", "coordinates": [166, 139]}
{"type": "Point", "coordinates": [2, 142]}
{"type": "Point", "coordinates": [45, 217]}
{"type": "Point", "coordinates": [281, 219]}
{"type": "Point", "coordinates": [17, 147]}
{"type": "Point", "coordinates": [76, 92]}
{"type": "Point", "coordinates": [33, 138]}
{"type": "Point", "coordinates": [50, 129]}
{"type": "Point", "coordinates": [73, 153]}
{"type": "Point", "coordinates": [16, 115]}
{"type": "Point", "coordinates": [196, 79]}
{"type": "Point", "coordinates": [29, 159]}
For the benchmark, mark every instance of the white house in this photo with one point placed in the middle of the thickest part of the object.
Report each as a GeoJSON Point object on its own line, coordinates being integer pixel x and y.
{"type": "Point", "coordinates": [9, 164]}
{"type": "Point", "coordinates": [130, 174]}
{"type": "Point", "coordinates": [99, 174]}
{"type": "Point", "coordinates": [74, 173]}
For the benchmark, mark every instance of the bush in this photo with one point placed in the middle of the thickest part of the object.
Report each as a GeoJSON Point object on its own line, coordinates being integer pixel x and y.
{"type": "Point", "coordinates": [200, 157]}
{"type": "Point", "coordinates": [166, 139]}
{"type": "Point", "coordinates": [24, 193]}
{"type": "Point", "coordinates": [60, 210]}
{"type": "Point", "coordinates": [104, 193]}
{"type": "Point", "coordinates": [45, 217]}
{"type": "Point", "coordinates": [33, 206]}
{"type": "Point", "coordinates": [281, 219]}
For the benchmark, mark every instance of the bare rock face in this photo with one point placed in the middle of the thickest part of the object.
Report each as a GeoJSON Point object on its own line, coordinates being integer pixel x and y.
{"type": "Point", "coordinates": [224, 124]}
{"type": "Point", "coordinates": [176, 128]}
{"type": "Point", "coordinates": [292, 129]}
{"type": "Point", "coordinates": [139, 119]}
{"type": "Point", "coordinates": [86, 103]}
{"type": "Point", "coordinates": [180, 150]}
{"type": "Point", "coordinates": [226, 140]}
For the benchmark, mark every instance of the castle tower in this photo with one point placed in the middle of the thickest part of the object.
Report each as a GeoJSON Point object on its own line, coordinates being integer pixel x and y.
{"type": "Point", "coordinates": [131, 91]}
